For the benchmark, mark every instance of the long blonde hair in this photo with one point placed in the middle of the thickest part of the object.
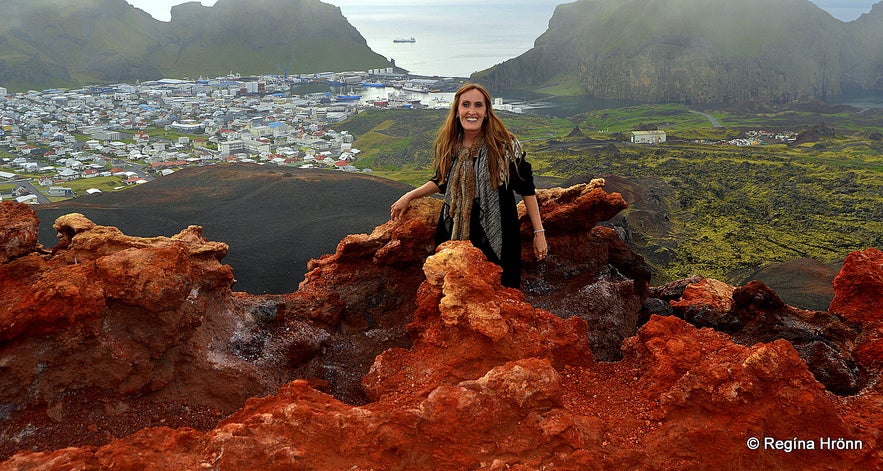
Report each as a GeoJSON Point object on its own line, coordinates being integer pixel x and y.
{"type": "Point", "coordinates": [498, 139]}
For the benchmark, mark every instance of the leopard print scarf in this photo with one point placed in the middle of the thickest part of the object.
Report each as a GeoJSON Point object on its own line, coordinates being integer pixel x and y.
{"type": "Point", "coordinates": [470, 180]}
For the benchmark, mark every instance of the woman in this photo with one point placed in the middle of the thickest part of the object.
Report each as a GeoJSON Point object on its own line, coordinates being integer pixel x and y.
{"type": "Point", "coordinates": [479, 166]}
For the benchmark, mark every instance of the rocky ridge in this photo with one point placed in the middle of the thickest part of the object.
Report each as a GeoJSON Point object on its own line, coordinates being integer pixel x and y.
{"type": "Point", "coordinates": [126, 352]}
{"type": "Point", "coordinates": [668, 51]}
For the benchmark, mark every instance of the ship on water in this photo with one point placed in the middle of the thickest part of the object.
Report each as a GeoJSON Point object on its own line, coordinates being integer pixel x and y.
{"type": "Point", "coordinates": [405, 40]}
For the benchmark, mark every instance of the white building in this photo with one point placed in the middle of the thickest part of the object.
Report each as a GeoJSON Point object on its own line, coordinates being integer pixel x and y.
{"type": "Point", "coordinates": [28, 199]}
{"type": "Point", "coordinates": [231, 147]}
{"type": "Point", "coordinates": [648, 137]}
{"type": "Point", "coordinates": [60, 191]}
{"type": "Point", "coordinates": [188, 127]}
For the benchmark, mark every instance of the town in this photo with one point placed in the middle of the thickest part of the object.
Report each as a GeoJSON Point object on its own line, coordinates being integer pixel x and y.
{"type": "Point", "coordinates": [54, 144]}
{"type": "Point", "coordinates": [59, 144]}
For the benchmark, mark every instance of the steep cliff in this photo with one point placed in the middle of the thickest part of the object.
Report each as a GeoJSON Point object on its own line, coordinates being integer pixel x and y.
{"type": "Point", "coordinates": [675, 51]}
{"type": "Point", "coordinates": [396, 355]}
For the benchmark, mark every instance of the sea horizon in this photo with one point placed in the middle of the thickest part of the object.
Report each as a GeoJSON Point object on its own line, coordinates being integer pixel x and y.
{"type": "Point", "coordinates": [450, 40]}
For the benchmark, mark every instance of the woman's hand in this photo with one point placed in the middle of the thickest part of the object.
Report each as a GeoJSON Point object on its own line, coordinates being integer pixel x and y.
{"type": "Point", "coordinates": [399, 207]}
{"type": "Point", "coordinates": [540, 247]}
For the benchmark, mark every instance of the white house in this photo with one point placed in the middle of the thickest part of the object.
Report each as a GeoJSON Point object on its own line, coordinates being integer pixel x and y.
{"type": "Point", "coordinates": [68, 174]}
{"type": "Point", "coordinates": [28, 199]}
{"type": "Point", "coordinates": [60, 191]}
{"type": "Point", "coordinates": [648, 137]}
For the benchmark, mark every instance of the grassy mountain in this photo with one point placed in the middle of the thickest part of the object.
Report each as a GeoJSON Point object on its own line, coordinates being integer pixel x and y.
{"type": "Point", "coordinates": [60, 43]}
{"type": "Point", "coordinates": [52, 43]}
{"type": "Point", "coordinates": [709, 51]}
{"type": "Point", "coordinates": [264, 36]}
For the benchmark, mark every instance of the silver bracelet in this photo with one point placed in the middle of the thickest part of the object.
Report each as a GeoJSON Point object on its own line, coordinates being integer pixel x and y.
{"type": "Point", "coordinates": [539, 230]}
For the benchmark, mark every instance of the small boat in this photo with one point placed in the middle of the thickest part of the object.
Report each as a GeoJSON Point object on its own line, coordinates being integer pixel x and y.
{"type": "Point", "coordinates": [413, 87]}
{"type": "Point", "coordinates": [405, 40]}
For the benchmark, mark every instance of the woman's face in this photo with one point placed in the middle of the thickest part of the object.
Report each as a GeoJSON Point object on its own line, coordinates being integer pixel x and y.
{"type": "Point", "coordinates": [472, 110]}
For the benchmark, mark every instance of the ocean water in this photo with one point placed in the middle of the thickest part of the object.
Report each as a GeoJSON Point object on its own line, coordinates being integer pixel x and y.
{"type": "Point", "coordinates": [453, 39]}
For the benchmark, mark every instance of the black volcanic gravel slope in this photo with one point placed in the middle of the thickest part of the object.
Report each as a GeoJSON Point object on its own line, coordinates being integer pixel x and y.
{"type": "Point", "coordinates": [275, 219]}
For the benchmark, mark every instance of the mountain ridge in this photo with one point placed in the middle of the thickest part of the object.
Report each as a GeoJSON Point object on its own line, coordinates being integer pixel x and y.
{"type": "Point", "coordinates": [650, 51]}
{"type": "Point", "coordinates": [661, 51]}
{"type": "Point", "coordinates": [49, 43]}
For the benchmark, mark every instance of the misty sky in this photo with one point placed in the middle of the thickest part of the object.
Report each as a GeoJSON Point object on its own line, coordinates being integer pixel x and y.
{"type": "Point", "coordinates": [846, 10]}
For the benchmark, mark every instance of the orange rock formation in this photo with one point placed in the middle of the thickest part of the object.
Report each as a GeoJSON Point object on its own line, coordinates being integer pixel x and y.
{"type": "Point", "coordinates": [119, 352]}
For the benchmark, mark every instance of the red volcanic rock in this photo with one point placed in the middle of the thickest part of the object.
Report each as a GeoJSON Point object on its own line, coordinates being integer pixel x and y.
{"type": "Point", "coordinates": [18, 235]}
{"type": "Point", "coordinates": [395, 355]}
{"type": "Point", "coordinates": [467, 323]}
{"type": "Point", "coordinates": [754, 313]}
{"type": "Point", "coordinates": [363, 296]}
{"type": "Point", "coordinates": [706, 302]}
{"type": "Point", "coordinates": [590, 272]}
{"type": "Point", "coordinates": [713, 396]}
{"type": "Point", "coordinates": [681, 398]}
{"type": "Point", "coordinates": [111, 333]}
{"type": "Point", "coordinates": [101, 266]}
{"type": "Point", "coordinates": [167, 342]}
{"type": "Point", "coordinates": [858, 288]}
{"type": "Point", "coordinates": [858, 297]}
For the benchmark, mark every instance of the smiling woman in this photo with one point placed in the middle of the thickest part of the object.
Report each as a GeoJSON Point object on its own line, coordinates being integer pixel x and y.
{"type": "Point", "coordinates": [479, 167]}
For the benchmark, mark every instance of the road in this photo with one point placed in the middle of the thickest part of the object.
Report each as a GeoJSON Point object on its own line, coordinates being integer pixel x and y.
{"type": "Point", "coordinates": [41, 198]}
{"type": "Point", "coordinates": [714, 121]}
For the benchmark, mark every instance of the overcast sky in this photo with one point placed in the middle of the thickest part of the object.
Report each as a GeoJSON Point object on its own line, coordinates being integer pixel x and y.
{"type": "Point", "coordinates": [845, 10]}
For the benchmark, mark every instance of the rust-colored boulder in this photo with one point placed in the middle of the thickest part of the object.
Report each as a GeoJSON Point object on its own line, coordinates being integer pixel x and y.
{"type": "Point", "coordinates": [111, 333]}
{"type": "Point", "coordinates": [467, 323]}
{"type": "Point", "coordinates": [590, 272]}
{"type": "Point", "coordinates": [858, 297]}
{"type": "Point", "coordinates": [719, 403]}
{"type": "Point", "coordinates": [18, 235]}
{"type": "Point", "coordinates": [754, 313]}
{"type": "Point", "coordinates": [363, 295]}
